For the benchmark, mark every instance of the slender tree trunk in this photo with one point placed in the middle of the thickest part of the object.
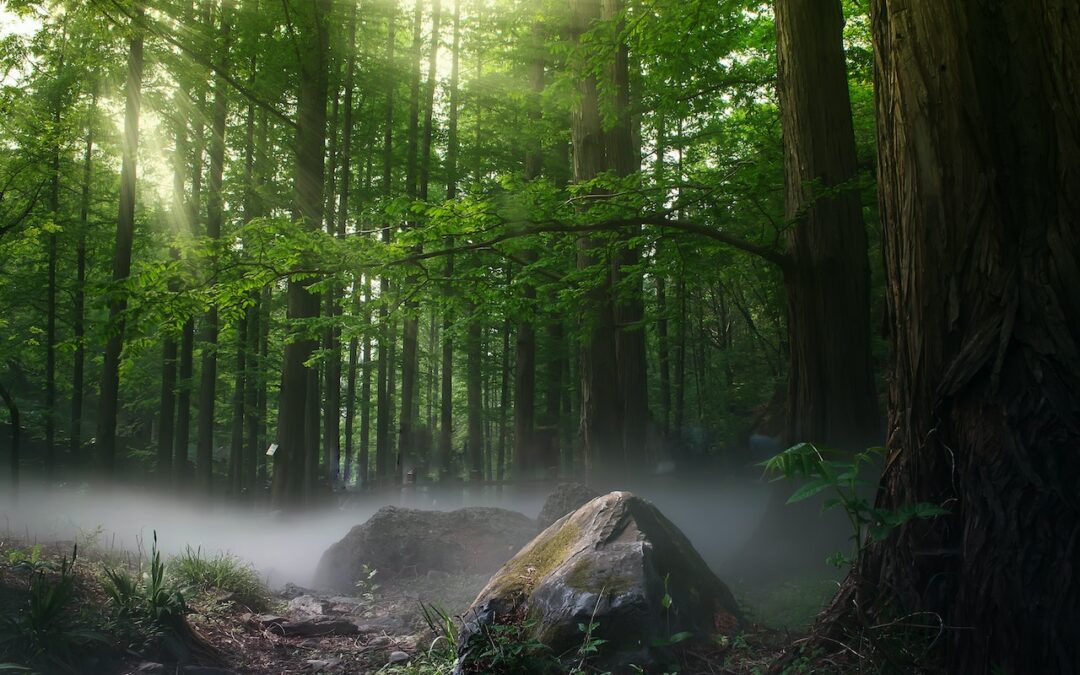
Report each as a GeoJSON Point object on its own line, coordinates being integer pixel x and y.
{"type": "Point", "coordinates": [446, 408]}
{"type": "Point", "coordinates": [385, 371]}
{"type": "Point", "coordinates": [410, 357]}
{"type": "Point", "coordinates": [15, 456]}
{"type": "Point", "coordinates": [236, 447]}
{"type": "Point", "coordinates": [50, 294]}
{"type": "Point", "coordinates": [331, 338]}
{"type": "Point", "coordinates": [204, 449]}
{"type": "Point", "coordinates": [125, 236]}
{"type": "Point", "coordinates": [343, 219]}
{"type": "Point", "coordinates": [526, 455]}
{"type": "Point", "coordinates": [78, 372]}
{"type": "Point", "coordinates": [365, 394]}
{"type": "Point", "coordinates": [474, 398]}
{"type": "Point", "coordinates": [504, 395]}
{"type": "Point", "coordinates": [299, 383]}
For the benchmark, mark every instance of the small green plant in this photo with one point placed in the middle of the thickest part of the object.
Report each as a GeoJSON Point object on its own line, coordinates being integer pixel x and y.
{"type": "Point", "coordinates": [200, 573]}
{"type": "Point", "coordinates": [148, 611]}
{"type": "Point", "coordinates": [366, 588]}
{"type": "Point", "coordinates": [44, 635]}
{"type": "Point", "coordinates": [29, 560]}
{"type": "Point", "coordinates": [823, 469]}
{"type": "Point", "coordinates": [510, 648]}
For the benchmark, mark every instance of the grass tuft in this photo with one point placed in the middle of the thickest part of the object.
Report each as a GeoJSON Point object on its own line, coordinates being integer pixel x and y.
{"type": "Point", "coordinates": [223, 573]}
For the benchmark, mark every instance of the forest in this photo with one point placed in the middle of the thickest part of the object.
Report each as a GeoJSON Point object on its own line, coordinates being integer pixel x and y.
{"type": "Point", "coordinates": [720, 288]}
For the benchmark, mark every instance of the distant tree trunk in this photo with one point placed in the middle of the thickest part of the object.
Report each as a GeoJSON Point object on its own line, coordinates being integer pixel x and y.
{"type": "Point", "coordinates": [204, 448]}
{"type": "Point", "coordinates": [78, 372]}
{"type": "Point", "coordinates": [446, 408]}
{"type": "Point", "coordinates": [343, 219]}
{"type": "Point", "coordinates": [108, 404]}
{"type": "Point", "coordinates": [299, 383]}
{"type": "Point", "coordinates": [253, 208]}
{"type": "Point", "coordinates": [50, 293]}
{"type": "Point", "coordinates": [410, 356]}
{"type": "Point", "coordinates": [662, 341]}
{"type": "Point", "coordinates": [332, 338]}
{"type": "Point", "coordinates": [624, 158]}
{"type": "Point", "coordinates": [385, 370]}
{"type": "Point", "coordinates": [831, 394]}
{"type": "Point", "coordinates": [363, 460]}
{"type": "Point", "coordinates": [679, 383]}
{"type": "Point", "coordinates": [504, 396]}
{"type": "Point", "coordinates": [474, 397]}
{"type": "Point", "coordinates": [978, 159]}
{"type": "Point", "coordinates": [236, 447]}
{"type": "Point", "coordinates": [262, 382]}
{"type": "Point", "coordinates": [15, 455]}
{"type": "Point", "coordinates": [525, 451]}
{"type": "Point", "coordinates": [601, 428]}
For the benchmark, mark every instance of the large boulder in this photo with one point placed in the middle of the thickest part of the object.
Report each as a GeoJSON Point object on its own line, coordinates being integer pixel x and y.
{"type": "Point", "coordinates": [565, 498]}
{"type": "Point", "coordinates": [619, 568]}
{"type": "Point", "coordinates": [409, 542]}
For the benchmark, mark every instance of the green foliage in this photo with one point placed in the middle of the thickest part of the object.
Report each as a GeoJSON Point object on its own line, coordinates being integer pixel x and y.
{"type": "Point", "coordinates": [200, 573]}
{"type": "Point", "coordinates": [366, 589]}
{"type": "Point", "coordinates": [45, 634]}
{"type": "Point", "coordinates": [510, 648]}
{"type": "Point", "coordinates": [831, 470]}
{"type": "Point", "coordinates": [147, 612]}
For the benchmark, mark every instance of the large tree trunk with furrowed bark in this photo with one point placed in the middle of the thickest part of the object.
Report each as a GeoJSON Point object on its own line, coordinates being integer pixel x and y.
{"type": "Point", "coordinates": [979, 159]}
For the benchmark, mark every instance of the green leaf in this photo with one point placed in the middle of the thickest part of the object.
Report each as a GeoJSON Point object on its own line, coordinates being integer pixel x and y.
{"type": "Point", "coordinates": [810, 489]}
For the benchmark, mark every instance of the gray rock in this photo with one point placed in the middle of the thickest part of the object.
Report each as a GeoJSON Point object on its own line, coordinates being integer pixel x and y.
{"type": "Point", "coordinates": [611, 563]}
{"type": "Point", "coordinates": [309, 605]}
{"type": "Point", "coordinates": [565, 498]}
{"type": "Point", "coordinates": [267, 619]}
{"type": "Point", "coordinates": [325, 665]}
{"type": "Point", "coordinates": [150, 667]}
{"type": "Point", "coordinates": [388, 624]}
{"type": "Point", "coordinates": [398, 657]}
{"type": "Point", "coordinates": [378, 641]}
{"type": "Point", "coordinates": [207, 670]}
{"type": "Point", "coordinates": [400, 542]}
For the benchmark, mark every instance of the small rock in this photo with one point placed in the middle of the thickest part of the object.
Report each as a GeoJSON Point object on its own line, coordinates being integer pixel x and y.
{"type": "Point", "coordinates": [207, 670]}
{"type": "Point", "coordinates": [292, 590]}
{"type": "Point", "coordinates": [565, 498]}
{"type": "Point", "coordinates": [380, 624]}
{"type": "Point", "coordinates": [309, 605]}
{"type": "Point", "coordinates": [267, 619]}
{"type": "Point", "coordinates": [378, 641]}
{"type": "Point", "coordinates": [150, 667]}
{"type": "Point", "coordinates": [398, 657]}
{"type": "Point", "coordinates": [324, 665]}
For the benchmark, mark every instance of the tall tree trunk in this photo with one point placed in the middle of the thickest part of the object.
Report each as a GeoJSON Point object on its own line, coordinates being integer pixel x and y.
{"type": "Point", "coordinates": [446, 406]}
{"type": "Point", "coordinates": [204, 440]}
{"type": "Point", "coordinates": [108, 404]}
{"type": "Point", "coordinates": [385, 370]}
{"type": "Point", "coordinates": [662, 340]}
{"type": "Point", "coordinates": [601, 428]}
{"type": "Point", "coordinates": [292, 463]}
{"type": "Point", "coordinates": [78, 372]}
{"type": "Point", "coordinates": [526, 458]}
{"type": "Point", "coordinates": [50, 293]}
{"type": "Point", "coordinates": [332, 337]}
{"type": "Point", "coordinates": [831, 393]}
{"type": "Point", "coordinates": [624, 158]}
{"type": "Point", "coordinates": [343, 219]}
{"type": "Point", "coordinates": [363, 461]}
{"type": "Point", "coordinates": [410, 356]}
{"type": "Point", "coordinates": [979, 154]}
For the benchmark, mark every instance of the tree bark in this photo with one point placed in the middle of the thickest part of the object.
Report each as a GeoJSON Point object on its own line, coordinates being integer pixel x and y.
{"type": "Point", "coordinates": [979, 155]}
{"type": "Point", "coordinates": [474, 398]}
{"type": "Point", "coordinates": [78, 372]}
{"type": "Point", "coordinates": [125, 236]}
{"type": "Point", "coordinates": [291, 461]}
{"type": "Point", "coordinates": [831, 394]}
{"type": "Point", "coordinates": [446, 399]}
{"type": "Point", "coordinates": [204, 443]}
{"type": "Point", "coordinates": [15, 456]}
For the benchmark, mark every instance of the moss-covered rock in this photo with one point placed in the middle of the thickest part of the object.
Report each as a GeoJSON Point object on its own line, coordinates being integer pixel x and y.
{"type": "Point", "coordinates": [609, 565]}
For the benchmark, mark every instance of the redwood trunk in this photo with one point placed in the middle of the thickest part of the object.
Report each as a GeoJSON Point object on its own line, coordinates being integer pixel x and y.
{"type": "Point", "coordinates": [979, 159]}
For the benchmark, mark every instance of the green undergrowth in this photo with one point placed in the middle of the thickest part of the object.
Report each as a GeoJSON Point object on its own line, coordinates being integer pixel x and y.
{"type": "Point", "coordinates": [221, 573]}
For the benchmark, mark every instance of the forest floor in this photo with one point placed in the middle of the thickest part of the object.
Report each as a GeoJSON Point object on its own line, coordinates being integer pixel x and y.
{"type": "Point", "coordinates": [382, 629]}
